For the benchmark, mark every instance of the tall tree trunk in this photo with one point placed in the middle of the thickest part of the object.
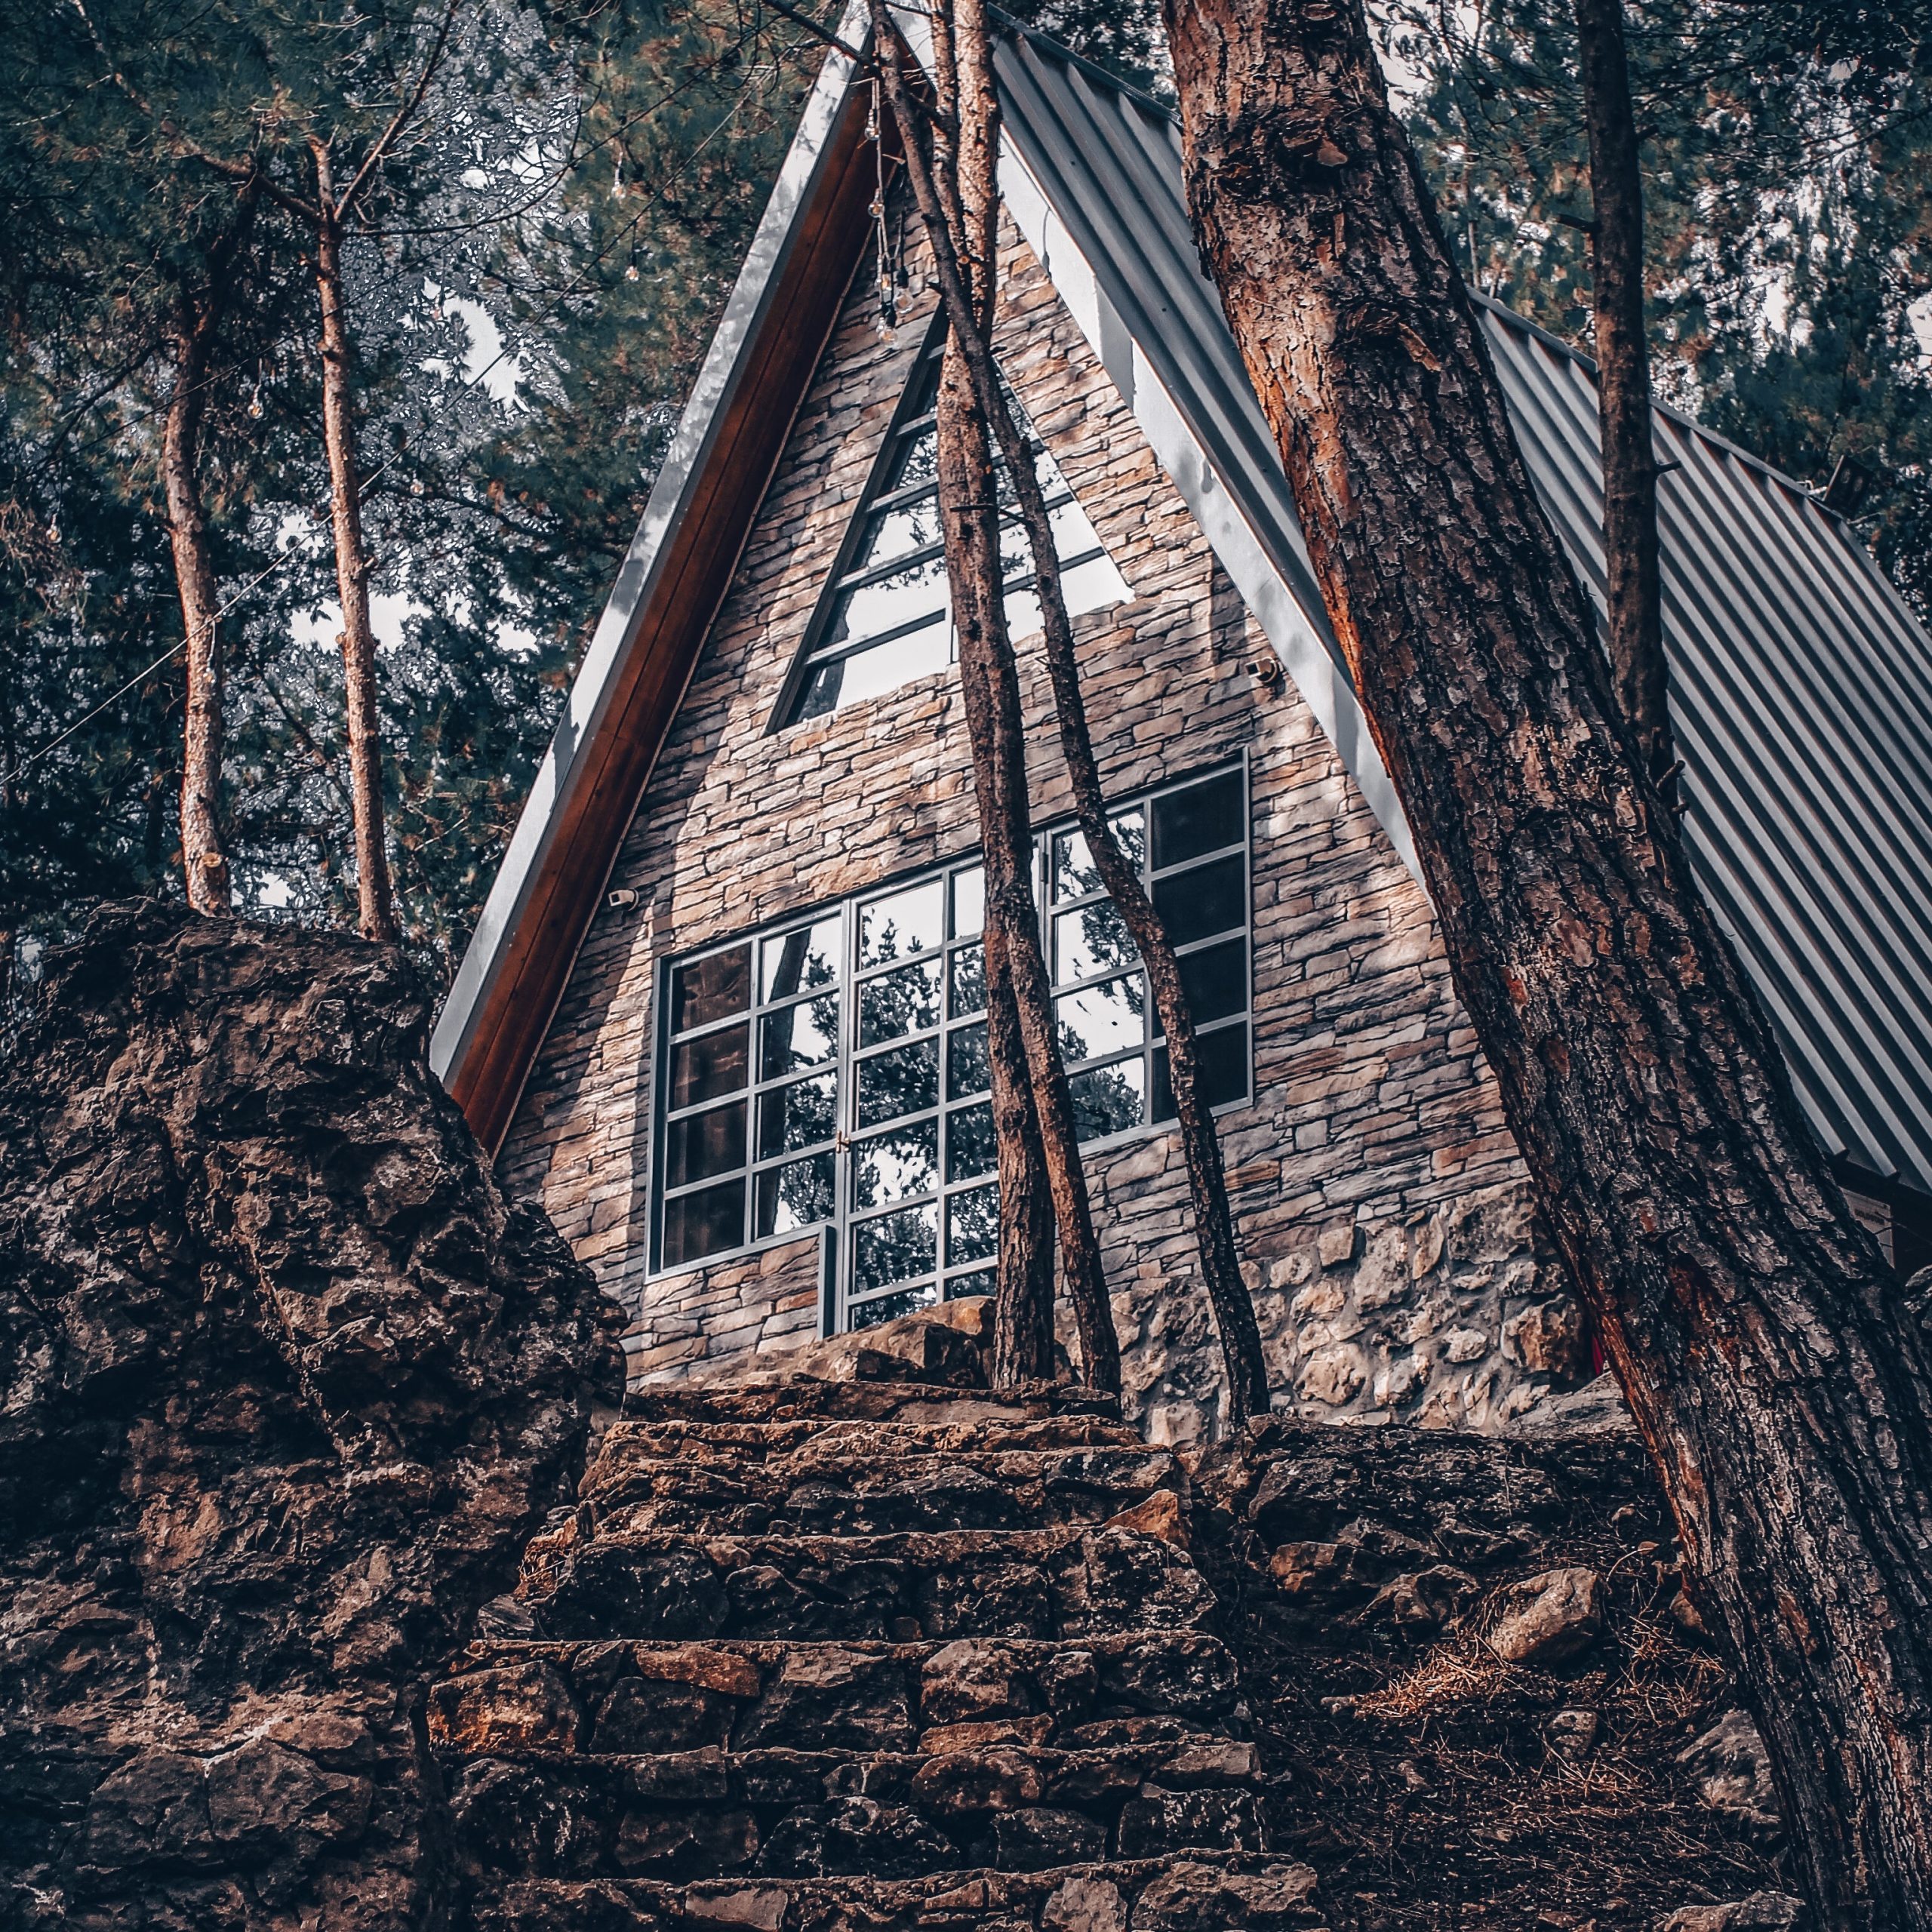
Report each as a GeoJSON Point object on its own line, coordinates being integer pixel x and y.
{"type": "Point", "coordinates": [204, 857]}
{"type": "Point", "coordinates": [1623, 388]}
{"type": "Point", "coordinates": [1033, 1103]}
{"type": "Point", "coordinates": [1785, 1396]}
{"type": "Point", "coordinates": [375, 900]}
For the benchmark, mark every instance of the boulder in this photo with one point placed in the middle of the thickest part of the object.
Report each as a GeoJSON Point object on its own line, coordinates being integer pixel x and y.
{"type": "Point", "coordinates": [1733, 1772]}
{"type": "Point", "coordinates": [1762, 1912]}
{"type": "Point", "coordinates": [288, 1385]}
{"type": "Point", "coordinates": [1550, 1618]}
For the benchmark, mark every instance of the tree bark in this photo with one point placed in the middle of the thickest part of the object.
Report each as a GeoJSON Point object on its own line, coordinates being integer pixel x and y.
{"type": "Point", "coordinates": [375, 899]}
{"type": "Point", "coordinates": [204, 858]}
{"type": "Point", "coordinates": [1033, 1107]}
{"type": "Point", "coordinates": [1220, 1265]}
{"type": "Point", "coordinates": [1623, 389]}
{"type": "Point", "coordinates": [1763, 1345]}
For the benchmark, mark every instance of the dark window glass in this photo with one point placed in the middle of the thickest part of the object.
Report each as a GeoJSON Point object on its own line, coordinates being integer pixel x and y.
{"type": "Point", "coordinates": [889, 1308]}
{"type": "Point", "coordinates": [1202, 818]}
{"type": "Point", "coordinates": [1101, 1020]}
{"type": "Point", "coordinates": [969, 982]}
{"type": "Point", "coordinates": [798, 1036]}
{"type": "Point", "coordinates": [710, 1066]}
{"type": "Point", "coordinates": [794, 962]}
{"type": "Point", "coordinates": [889, 1167]}
{"type": "Point", "coordinates": [709, 988]}
{"type": "Point", "coordinates": [698, 1145]}
{"type": "Point", "coordinates": [1090, 939]}
{"type": "Point", "coordinates": [894, 1247]}
{"type": "Point", "coordinates": [981, 1281]}
{"type": "Point", "coordinates": [1107, 1099]}
{"type": "Point", "coordinates": [970, 1150]}
{"type": "Point", "coordinates": [906, 1001]}
{"type": "Point", "coordinates": [969, 1068]}
{"type": "Point", "coordinates": [902, 1081]}
{"type": "Point", "coordinates": [1223, 1055]}
{"type": "Point", "coordinates": [1210, 899]}
{"type": "Point", "coordinates": [796, 1195]}
{"type": "Point", "coordinates": [704, 1223]}
{"type": "Point", "coordinates": [1215, 979]}
{"type": "Point", "coordinates": [972, 1225]}
{"type": "Point", "coordinates": [799, 1115]}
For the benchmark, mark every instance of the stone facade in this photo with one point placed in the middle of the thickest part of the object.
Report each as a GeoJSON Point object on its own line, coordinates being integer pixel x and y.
{"type": "Point", "coordinates": [1378, 1194]}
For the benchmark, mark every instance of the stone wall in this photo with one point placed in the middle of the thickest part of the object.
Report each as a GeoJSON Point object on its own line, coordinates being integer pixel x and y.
{"type": "Point", "coordinates": [1377, 1190]}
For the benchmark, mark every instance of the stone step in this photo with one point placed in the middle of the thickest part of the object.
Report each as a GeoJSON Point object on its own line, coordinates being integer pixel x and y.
{"type": "Point", "coordinates": [844, 1488]}
{"type": "Point", "coordinates": [1194, 1894]}
{"type": "Point", "coordinates": [1042, 1583]}
{"type": "Point", "coordinates": [805, 1814]}
{"type": "Point", "coordinates": [1116, 1689]}
{"type": "Point", "coordinates": [780, 1397]}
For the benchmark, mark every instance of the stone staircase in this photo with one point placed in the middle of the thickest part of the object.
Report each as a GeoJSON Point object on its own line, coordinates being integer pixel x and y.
{"type": "Point", "coordinates": [813, 1657]}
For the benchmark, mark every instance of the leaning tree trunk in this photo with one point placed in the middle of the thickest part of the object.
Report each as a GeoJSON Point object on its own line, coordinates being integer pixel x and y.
{"type": "Point", "coordinates": [375, 900]}
{"type": "Point", "coordinates": [1753, 1325]}
{"type": "Point", "coordinates": [1033, 1106]}
{"type": "Point", "coordinates": [1623, 389]}
{"type": "Point", "coordinates": [204, 858]}
{"type": "Point", "coordinates": [1207, 1191]}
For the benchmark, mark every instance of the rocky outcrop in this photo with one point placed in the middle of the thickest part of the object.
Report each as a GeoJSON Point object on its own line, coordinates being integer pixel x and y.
{"type": "Point", "coordinates": [287, 1386]}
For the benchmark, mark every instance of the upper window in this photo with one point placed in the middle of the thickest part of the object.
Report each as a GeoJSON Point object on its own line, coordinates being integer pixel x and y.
{"type": "Point", "coordinates": [886, 617]}
{"type": "Point", "coordinates": [834, 1071]}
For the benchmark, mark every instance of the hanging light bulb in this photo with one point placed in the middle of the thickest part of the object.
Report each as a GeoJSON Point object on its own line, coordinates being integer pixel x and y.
{"type": "Point", "coordinates": [630, 274]}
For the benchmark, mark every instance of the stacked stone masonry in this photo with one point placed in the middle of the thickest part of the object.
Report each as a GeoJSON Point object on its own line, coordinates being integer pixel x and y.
{"type": "Point", "coordinates": [1397, 1268]}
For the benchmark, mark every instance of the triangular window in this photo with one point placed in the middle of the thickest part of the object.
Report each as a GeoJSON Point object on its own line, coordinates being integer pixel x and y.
{"type": "Point", "coordinates": [886, 617]}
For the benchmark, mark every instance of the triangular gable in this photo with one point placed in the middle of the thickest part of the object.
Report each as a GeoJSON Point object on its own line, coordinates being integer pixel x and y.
{"type": "Point", "coordinates": [1804, 688]}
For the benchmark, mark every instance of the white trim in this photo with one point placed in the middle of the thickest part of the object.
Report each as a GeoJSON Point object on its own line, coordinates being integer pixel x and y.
{"type": "Point", "coordinates": [1320, 680]}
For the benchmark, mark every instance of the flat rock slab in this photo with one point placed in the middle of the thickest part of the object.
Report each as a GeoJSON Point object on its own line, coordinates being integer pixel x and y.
{"type": "Point", "coordinates": [993, 1584]}
{"type": "Point", "coordinates": [1193, 1895]}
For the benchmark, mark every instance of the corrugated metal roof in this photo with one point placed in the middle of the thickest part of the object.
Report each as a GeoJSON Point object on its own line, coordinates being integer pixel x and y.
{"type": "Point", "coordinates": [1802, 685]}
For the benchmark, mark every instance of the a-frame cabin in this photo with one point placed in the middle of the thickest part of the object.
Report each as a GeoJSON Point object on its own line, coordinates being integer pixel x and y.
{"type": "Point", "coordinates": [721, 1013]}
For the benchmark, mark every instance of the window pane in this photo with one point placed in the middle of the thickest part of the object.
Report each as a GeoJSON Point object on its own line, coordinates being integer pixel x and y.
{"type": "Point", "coordinates": [970, 1150]}
{"type": "Point", "coordinates": [969, 1068]}
{"type": "Point", "coordinates": [799, 1115]}
{"type": "Point", "coordinates": [1223, 1070]}
{"type": "Point", "coordinates": [912, 526]}
{"type": "Point", "coordinates": [897, 928]}
{"type": "Point", "coordinates": [806, 1035]}
{"type": "Point", "coordinates": [1210, 899]}
{"type": "Point", "coordinates": [894, 1247]}
{"type": "Point", "coordinates": [981, 1281]}
{"type": "Point", "coordinates": [1106, 1018]}
{"type": "Point", "coordinates": [1090, 939]}
{"type": "Point", "coordinates": [1215, 980]}
{"type": "Point", "coordinates": [969, 902]}
{"type": "Point", "coordinates": [969, 981]}
{"type": "Point", "coordinates": [889, 1308]}
{"type": "Point", "coordinates": [902, 1081]}
{"type": "Point", "coordinates": [972, 1225]}
{"type": "Point", "coordinates": [796, 1195]}
{"type": "Point", "coordinates": [709, 989]}
{"type": "Point", "coordinates": [794, 962]}
{"type": "Point", "coordinates": [1202, 818]}
{"type": "Point", "coordinates": [917, 461]}
{"type": "Point", "coordinates": [698, 1146]}
{"type": "Point", "coordinates": [710, 1066]}
{"type": "Point", "coordinates": [1092, 586]}
{"type": "Point", "coordinates": [706, 1223]}
{"type": "Point", "coordinates": [1106, 1100]}
{"type": "Point", "coordinates": [890, 1166]}
{"type": "Point", "coordinates": [864, 674]}
{"type": "Point", "coordinates": [1074, 873]}
{"type": "Point", "coordinates": [906, 1001]}
{"type": "Point", "coordinates": [913, 591]}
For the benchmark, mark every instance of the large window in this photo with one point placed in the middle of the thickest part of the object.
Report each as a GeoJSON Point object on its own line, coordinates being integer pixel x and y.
{"type": "Point", "coordinates": [887, 616]}
{"type": "Point", "coordinates": [834, 1072]}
